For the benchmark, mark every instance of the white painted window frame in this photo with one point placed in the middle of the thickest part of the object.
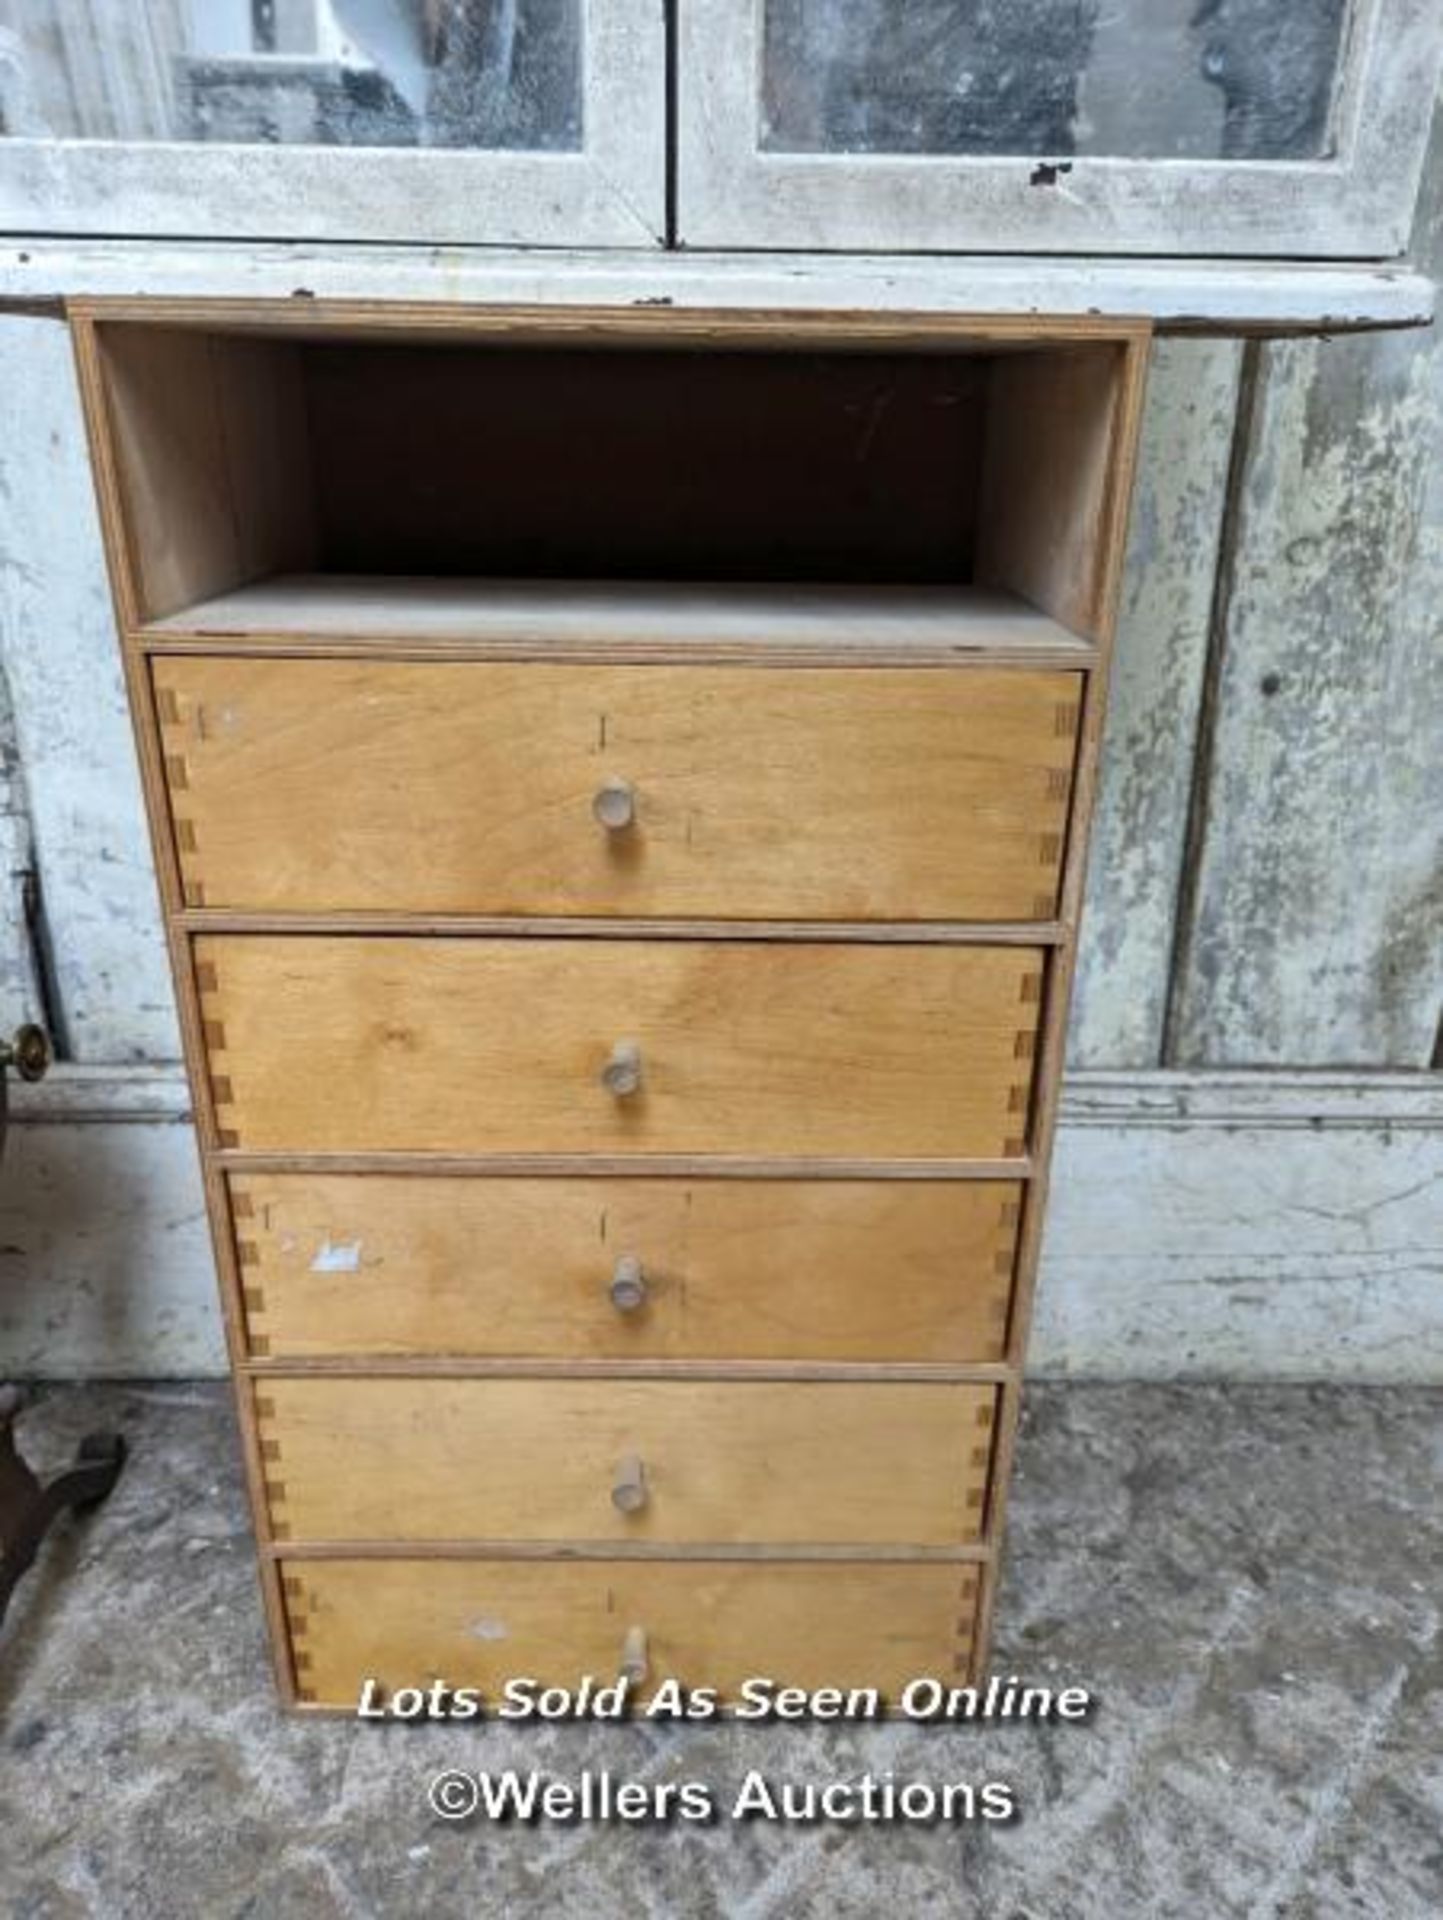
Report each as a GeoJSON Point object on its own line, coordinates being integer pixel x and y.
{"type": "Point", "coordinates": [609, 193]}
{"type": "Point", "coordinates": [1358, 205]}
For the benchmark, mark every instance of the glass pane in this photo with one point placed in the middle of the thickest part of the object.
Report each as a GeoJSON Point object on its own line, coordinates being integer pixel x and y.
{"type": "Point", "coordinates": [1156, 79]}
{"type": "Point", "coordinates": [355, 73]}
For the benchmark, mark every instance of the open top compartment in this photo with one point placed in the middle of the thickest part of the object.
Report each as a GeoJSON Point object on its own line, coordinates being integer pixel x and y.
{"type": "Point", "coordinates": [246, 457]}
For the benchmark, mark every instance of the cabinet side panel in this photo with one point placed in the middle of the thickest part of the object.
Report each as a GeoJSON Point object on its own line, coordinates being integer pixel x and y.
{"type": "Point", "coordinates": [1048, 499]}
{"type": "Point", "coordinates": [208, 447]}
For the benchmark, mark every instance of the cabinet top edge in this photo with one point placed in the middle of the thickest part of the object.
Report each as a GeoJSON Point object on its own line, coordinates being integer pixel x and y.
{"type": "Point", "coordinates": [564, 321]}
{"type": "Point", "coordinates": [1117, 296]}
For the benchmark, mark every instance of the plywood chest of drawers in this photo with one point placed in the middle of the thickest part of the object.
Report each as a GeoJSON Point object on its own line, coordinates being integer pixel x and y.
{"type": "Point", "coordinates": [619, 784]}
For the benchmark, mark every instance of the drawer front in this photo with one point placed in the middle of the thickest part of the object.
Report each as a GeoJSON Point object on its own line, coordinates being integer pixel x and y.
{"type": "Point", "coordinates": [808, 793]}
{"type": "Point", "coordinates": [480, 1623]}
{"type": "Point", "coordinates": [705, 1462]}
{"type": "Point", "coordinates": [357, 1044]}
{"type": "Point", "coordinates": [564, 1269]}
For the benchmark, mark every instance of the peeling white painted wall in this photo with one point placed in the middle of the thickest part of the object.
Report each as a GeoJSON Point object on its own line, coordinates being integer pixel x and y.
{"type": "Point", "coordinates": [1140, 833]}
{"type": "Point", "coordinates": [77, 762]}
{"type": "Point", "coordinates": [1314, 935]}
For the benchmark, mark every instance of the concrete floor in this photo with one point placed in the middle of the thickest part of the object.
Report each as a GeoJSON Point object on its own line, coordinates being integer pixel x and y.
{"type": "Point", "coordinates": [1249, 1579]}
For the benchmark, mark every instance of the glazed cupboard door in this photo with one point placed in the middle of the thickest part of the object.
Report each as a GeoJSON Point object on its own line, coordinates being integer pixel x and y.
{"type": "Point", "coordinates": [1197, 127]}
{"type": "Point", "coordinates": [540, 122]}
{"type": "Point", "coordinates": [1221, 128]}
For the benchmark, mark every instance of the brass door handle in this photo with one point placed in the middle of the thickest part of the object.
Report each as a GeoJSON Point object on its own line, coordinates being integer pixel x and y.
{"type": "Point", "coordinates": [621, 1076]}
{"type": "Point", "coordinates": [628, 1284]}
{"type": "Point", "coordinates": [614, 805]}
{"type": "Point", "coordinates": [628, 1484]}
{"type": "Point", "coordinates": [27, 1051]}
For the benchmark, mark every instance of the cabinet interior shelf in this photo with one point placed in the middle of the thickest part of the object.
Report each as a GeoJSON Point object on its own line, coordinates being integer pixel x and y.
{"type": "Point", "coordinates": [565, 616]}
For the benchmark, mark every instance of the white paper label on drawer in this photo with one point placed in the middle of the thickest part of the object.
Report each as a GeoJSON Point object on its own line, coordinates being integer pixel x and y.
{"type": "Point", "coordinates": [337, 1256]}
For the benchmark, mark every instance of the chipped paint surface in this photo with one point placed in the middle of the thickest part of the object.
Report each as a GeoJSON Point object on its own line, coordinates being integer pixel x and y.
{"type": "Point", "coordinates": [1318, 935]}
{"type": "Point", "coordinates": [1221, 295]}
{"type": "Point", "coordinates": [1243, 1251]}
{"type": "Point", "coordinates": [60, 654]}
{"type": "Point", "coordinates": [1140, 827]}
{"type": "Point", "coordinates": [21, 994]}
{"type": "Point", "coordinates": [105, 1262]}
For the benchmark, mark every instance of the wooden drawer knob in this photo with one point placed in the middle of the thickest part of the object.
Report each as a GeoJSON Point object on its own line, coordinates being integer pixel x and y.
{"type": "Point", "coordinates": [628, 1284]}
{"type": "Point", "coordinates": [621, 1075]}
{"type": "Point", "coordinates": [614, 805]}
{"type": "Point", "coordinates": [633, 1656]}
{"type": "Point", "coordinates": [628, 1484]}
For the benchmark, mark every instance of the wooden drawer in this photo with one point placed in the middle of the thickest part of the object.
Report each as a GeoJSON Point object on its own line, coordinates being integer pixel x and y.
{"type": "Point", "coordinates": [907, 1270]}
{"type": "Point", "coordinates": [806, 793]}
{"type": "Point", "coordinates": [722, 1463]}
{"type": "Point", "coordinates": [361, 1043]}
{"type": "Point", "coordinates": [717, 1623]}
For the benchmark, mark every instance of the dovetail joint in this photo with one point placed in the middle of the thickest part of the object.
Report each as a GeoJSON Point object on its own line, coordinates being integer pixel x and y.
{"type": "Point", "coordinates": [222, 1092]}
{"type": "Point", "coordinates": [170, 717]}
{"type": "Point", "coordinates": [298, 1627]}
